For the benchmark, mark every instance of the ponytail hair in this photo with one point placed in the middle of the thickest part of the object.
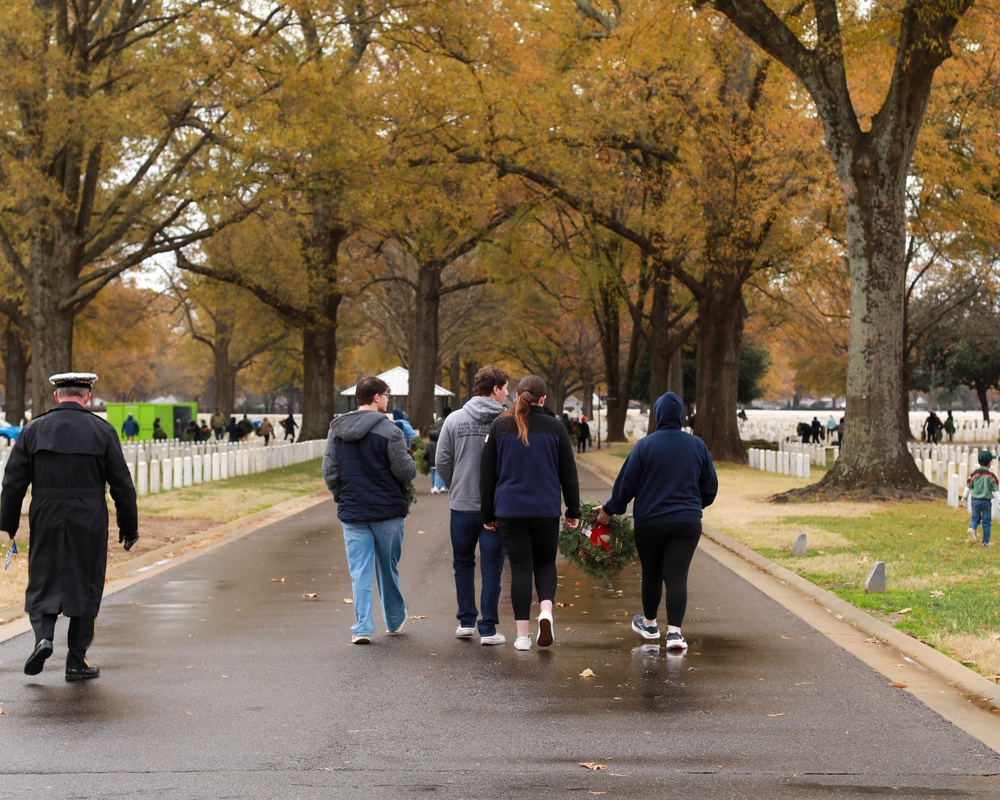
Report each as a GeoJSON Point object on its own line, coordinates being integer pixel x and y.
{"type": "Point", "coordinates": [530, 390]}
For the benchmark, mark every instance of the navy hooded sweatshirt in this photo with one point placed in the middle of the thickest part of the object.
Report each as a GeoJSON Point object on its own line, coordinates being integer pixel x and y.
{"type": "Point", "coordinates": [669, 473]}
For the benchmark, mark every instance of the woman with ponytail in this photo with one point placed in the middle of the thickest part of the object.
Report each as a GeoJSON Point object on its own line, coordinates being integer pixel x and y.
{"type": "Point", "coordinates": [528, 467]}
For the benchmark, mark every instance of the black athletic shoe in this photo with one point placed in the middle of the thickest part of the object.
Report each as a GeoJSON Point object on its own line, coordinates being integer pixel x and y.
{"type": "Point", "coordinates": [645, 631]}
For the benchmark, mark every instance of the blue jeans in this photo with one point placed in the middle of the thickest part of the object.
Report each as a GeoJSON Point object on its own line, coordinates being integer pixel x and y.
{"type": "Point", "coordinates": [982, 509]}
{"type": "Point", "coordinates": [437, 482]}
{"type": "Point", "coordinates": [375, 547]}
{"type": "Point", "coordinates": [466, 532]}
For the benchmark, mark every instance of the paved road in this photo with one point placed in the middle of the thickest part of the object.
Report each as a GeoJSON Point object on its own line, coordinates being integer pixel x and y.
{"type": "Point", "coordinates": [218, 681]}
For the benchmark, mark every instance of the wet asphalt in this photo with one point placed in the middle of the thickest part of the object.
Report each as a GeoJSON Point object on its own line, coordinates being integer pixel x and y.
{"type": "Point", "coordinates": [222, 678]}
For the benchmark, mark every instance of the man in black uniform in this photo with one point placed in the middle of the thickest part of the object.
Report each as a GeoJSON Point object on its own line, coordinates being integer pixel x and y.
{"type": "Point", "coordinates": [67, 455]}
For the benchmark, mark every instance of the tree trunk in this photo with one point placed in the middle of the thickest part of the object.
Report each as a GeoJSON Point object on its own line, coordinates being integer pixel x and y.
{"type": "Point", "coordinates": [424, 344]}
{"type": "Point", "coordinates": [455, 381]}
{"type": "Point", "coordinates": [320, 250]}
{"type": "Point", "coordinates": [15, 361]}
{"type": "Point", "coordinates": [319, 344]}
{"type": "Point", "coordinates": [721, 315]}
{"type": "Point", "coordinates": [51, 331]}
{"type": "Point", "coordinates": [874, 455]}
{"type": "Point", "coordinates": [984, 403]}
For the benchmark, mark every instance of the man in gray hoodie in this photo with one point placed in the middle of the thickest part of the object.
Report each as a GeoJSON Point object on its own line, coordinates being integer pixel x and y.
{"type": "Point", "coordinates": [459, 452]}
{"type": "Point", "coordinates": [367, 466]}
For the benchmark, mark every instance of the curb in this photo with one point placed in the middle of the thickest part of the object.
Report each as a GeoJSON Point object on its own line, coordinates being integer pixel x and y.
{"type": "Point", "coordinates": [966, 681]}
{"type": "Point", "coordinates": [955, 674]}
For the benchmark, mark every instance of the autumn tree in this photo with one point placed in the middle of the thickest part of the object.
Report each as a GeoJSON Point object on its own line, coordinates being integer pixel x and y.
{"type": "Point", "coordinates": [871, 136]}
{"type": "Point", "coordinates": [111, 113]}
{"type": "Point", "coordinates": [236, 329]}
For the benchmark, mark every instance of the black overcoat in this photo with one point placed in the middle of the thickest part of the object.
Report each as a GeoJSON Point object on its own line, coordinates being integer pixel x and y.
{"type": "Point", "coordinates": [67, 455]}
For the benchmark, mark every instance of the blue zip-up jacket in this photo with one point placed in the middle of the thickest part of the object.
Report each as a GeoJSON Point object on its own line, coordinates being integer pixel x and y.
{"type": "Point", "coordinates": [367, 465]}
{"type": "Point", "coordinates": [516, 481]}
{"type": "Point", "coordinates": [669, 472]}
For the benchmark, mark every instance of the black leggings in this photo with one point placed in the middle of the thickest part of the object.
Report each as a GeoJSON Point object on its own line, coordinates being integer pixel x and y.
{"type": "Point", "coordinates": [531, 544]}
{"type": "Point", "coordinates": [666, 552]}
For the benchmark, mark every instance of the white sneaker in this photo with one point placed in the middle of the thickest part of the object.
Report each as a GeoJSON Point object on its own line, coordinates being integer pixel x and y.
{"type": "Point", "coordinates": [464, 633]}
{"type": "Point", "coordinates": [544, 637]}
{"type": "Point", "coordinates": [496, 638]}
{"type": "Point", "coordinates": [971, 538]}
{"type": "Point", "coordinates": [361, 638]}
{"type": "Point", "coordinates": [522, 643]}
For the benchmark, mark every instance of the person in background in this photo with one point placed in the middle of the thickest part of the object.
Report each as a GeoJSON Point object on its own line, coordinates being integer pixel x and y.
{"type": "Point", "coordinates": [430, 451]}
{"type": "Point", "coordinates": [130, 428]}
{"type": "Point", "coordinates": [67, 455]}
{"type": "Point", "coordinates": [582, 435]}
{"type": "Point", "coordinates": [289, 424]}
{"type": "Point", "coordinates": [982, 483]}
{"type": "Point", "coordinates": [458, 458]}
{"type": "Point", "coordinates": [527, 469]}
{"type": "Point", "coordinates": [159, 434]}
{"type": "Point", "coordinates": [266, 430]}
{"type": "Point", "coordinates": [671, 477]}
{"type": "Point", "coordinates": [218, 423]}
{"type": "Point", "coordinates": [401, 421]}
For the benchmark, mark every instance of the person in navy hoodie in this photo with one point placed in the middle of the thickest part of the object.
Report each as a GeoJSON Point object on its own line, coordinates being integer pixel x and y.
{"type": "Point", "coordinates": [527, 468]}
{"type": "Point", "coordinates": [671, 476]}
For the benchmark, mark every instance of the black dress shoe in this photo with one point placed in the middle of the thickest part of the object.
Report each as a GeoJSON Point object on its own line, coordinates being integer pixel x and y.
{"type": "Point", "coordinates": [37, 658]}
{"type": "Point", "coordinates": [84, 674]}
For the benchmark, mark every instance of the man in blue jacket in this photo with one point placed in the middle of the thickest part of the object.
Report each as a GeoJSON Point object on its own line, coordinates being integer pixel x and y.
{"type": "Point", "coordinates": [671, 476]}
{"type": "Point", "coordinates": [367, 467]}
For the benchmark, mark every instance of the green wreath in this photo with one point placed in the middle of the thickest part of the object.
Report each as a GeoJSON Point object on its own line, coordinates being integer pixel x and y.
{"type": "Point", "coordinates": [593, 559]}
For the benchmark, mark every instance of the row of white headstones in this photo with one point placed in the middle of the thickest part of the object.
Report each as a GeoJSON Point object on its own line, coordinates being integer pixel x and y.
{"type": "Point", "coordinates": [946, 465]}
{"type": "Point", "coordinates": [162, 466]}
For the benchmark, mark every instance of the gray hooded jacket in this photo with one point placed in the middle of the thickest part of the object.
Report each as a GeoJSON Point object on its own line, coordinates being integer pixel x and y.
{"type": "Point", "coordinates": [460, 450]}
{"type": "Point", "coordinates": [367, 465]}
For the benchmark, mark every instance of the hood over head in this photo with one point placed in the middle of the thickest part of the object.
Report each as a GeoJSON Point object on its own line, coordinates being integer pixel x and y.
{"type": "Point", "coordinates": [668, 411]}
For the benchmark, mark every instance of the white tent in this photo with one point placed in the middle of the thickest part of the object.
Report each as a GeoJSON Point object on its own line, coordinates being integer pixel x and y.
{"type": "Point", "coordinates": [398, 379]}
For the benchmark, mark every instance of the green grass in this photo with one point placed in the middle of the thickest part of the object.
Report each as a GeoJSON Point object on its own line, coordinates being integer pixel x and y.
{"type": "Point", "coordinates": [224, 501]}
{"type": "Point", "coordinates": [948, 586]}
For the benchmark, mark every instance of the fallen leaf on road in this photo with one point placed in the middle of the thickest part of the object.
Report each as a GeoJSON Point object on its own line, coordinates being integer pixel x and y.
{"type": "Point", "coordinates": [563, 605]}
{"type": "Point", "coordinates": [418, 616]}
{"type": "Point", "coordinates": [348, 600]}
{"type": "Point", "coordinates": [277, 580]}
{"type": "Point", "coordinates": [592, 765]}
{"type": "Point", "coordinates": [898, 684]}
{"type": "Point", "coordinates": [310, 595]}
{"type": "Point", "coordinates": [777, 715]}
{"type": "Point", "coordinates": [598, 792]}
{"type": "Point", "coordinates": [421, 533]}
{"type": "Point", "coordinates": [588, 673]}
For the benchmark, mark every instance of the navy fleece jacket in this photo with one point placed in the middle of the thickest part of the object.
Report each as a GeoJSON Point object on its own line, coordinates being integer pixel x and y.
{"type": "Point", "coordinates": [669, 473]}
{"type": "Point", "coordinates": [517, 481]}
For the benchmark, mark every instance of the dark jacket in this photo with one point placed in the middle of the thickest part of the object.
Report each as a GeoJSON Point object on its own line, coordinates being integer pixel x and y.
{"type": "Point", "coordinates": [366, 465]}
{"type": "Point", "coordinates": [67, 455]}
{"type": "Point", "coordinates": [669, 472]}
{"type": "Point", "coordinates": [518, 481]}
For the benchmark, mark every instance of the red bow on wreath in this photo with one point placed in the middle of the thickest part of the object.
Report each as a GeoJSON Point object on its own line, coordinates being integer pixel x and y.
{"type": "Point", "coordinates": [599, 536]}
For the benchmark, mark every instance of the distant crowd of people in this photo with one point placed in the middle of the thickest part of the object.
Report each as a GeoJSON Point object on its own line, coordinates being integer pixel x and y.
{"type": "Point", "coordinates": [218, 427]}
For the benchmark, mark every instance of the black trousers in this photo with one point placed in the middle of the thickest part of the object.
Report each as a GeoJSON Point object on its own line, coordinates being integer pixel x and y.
{"type": "Point", "coordinates": [531, 544]}
{"type": "Point", "coordinates": [78, 640]}
{"type": "Point", "coordinates": [665, 552]}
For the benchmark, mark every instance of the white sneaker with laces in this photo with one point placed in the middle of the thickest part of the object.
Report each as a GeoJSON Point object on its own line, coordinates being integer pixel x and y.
{"type": "Point", "coordinates": [522, 643]}
{"type": "Point", "coordinates": [971, 538]}
{"type": "Point", "coordinates": [464, 633]}
{"type": "Point", "coordinates": [496, 638]}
